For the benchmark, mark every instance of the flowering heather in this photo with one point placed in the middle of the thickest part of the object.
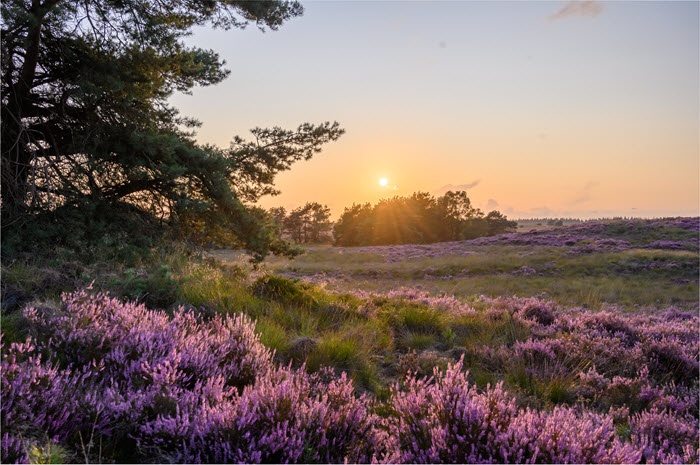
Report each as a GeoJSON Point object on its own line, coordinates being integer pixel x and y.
{"type": "Point", "coordinates": [670, 245]}
{"type": "Point", "coordinates": [13, 449]}
{"type": "Point", "coordinates": [615, 362]}
{"type": "Point", "coordinates": [182, 388]}
{"type": "Point", "coordinates": [444, 303]}
{"type": "Point", "coordinates": [665, 438]}
{"type": "Point", "coordinates": [397, 253]}
{"type": "Point", "coordinates": [173, 387]}
{"type": "Point", "coordinates": [591, 237]}
{"type": "Point", "coordinates": [448, 421]}
{"type": "Point", "coordinates": [554, 238]}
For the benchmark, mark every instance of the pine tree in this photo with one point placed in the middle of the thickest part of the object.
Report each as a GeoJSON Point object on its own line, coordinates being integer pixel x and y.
{"type": "Point", "coordinates": [87, 128]}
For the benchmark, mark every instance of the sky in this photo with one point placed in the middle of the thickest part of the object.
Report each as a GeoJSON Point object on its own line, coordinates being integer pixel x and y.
{"type": "Point", "coordinates": [536, 109]}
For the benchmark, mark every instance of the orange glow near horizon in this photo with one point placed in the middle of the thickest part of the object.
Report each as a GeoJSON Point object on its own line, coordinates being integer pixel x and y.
{"type": "Point", "coordinates": [599, 177]}
{"type": "Point", "coordinates": [574, 116]}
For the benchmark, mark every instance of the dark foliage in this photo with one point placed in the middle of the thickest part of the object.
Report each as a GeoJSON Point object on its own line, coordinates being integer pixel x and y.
{"type": "Point", "coordinates": [282, 290]}
{"type": "Point", "coordinates": [418, 219]}
{"type": "Point", "coordinates": [310, 223]}
{"type": "Point", "coordinates": [86, 125]}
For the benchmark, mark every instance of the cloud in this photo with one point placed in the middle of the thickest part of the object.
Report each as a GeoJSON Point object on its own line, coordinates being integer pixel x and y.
{"type": "Point", "coordinates": [591, 8]}
{"type": "Point", "coordinates": [541, 212]}
{"type": "Point", "coordinates": [584, 195]}
{"type": "Point", "coordinates": [491, 203]}
{"type": "Point", "coordinates": [458, 187]}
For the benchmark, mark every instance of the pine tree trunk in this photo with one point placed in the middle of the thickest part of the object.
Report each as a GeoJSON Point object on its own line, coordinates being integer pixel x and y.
{"type": "Point", "coordinates": [16, 157]}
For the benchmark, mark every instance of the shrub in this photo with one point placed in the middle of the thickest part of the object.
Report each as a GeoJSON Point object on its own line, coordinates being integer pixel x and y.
{"type": "Point", "coordinates": [13, 449]}
{"type": "Point", "coordinates": [448, 421]}
{"type": "Point", "coordinates": [665, 438]}
{"type": "Point", "coordinates": [182, 388]}
{"type": "Point", "coordinates": [283, 290]}
{"type": "Point", "coordinates": [154, 287]}
{"type": "Point", "coordinates": [294, 417]}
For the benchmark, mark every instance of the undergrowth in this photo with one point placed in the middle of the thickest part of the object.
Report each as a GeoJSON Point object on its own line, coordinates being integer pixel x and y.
{"type": "Point", "coordinates": [547, 356]}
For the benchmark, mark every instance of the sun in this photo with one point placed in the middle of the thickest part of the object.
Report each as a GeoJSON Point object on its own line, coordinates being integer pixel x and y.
{"type": "Point", "coordinates": [383, 182]}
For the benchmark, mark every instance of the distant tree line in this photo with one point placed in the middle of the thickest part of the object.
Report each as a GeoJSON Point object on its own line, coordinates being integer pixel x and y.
{"type": "Point", "coordinates": [310, 223]}
{"type": "Point", "coordinates": [552, 221]}
{"type": "Point", "coordinates": [418, 219]}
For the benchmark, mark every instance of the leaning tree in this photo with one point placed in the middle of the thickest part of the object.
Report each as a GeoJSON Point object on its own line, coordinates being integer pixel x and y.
{"type": "Point", "coordinates": [87, 127]}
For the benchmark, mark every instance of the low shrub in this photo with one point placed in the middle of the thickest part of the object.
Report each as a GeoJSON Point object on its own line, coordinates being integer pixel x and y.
{"type": "Point", "coordinates": [283, 290]}
{"type": "Point", "coordinates": [448, 421]}
{"type": "Point", "coordinates": [155, 387]}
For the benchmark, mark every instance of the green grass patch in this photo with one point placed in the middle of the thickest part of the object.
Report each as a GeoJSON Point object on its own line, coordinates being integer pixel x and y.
{"type": "Point", "coordinates": [492, 329]}
{"type": "Point", "coordinates": [218, 289]}
{"type": "Point", "coordinates": [272, 334]}
{"type": "Point", "coordinates": [417, 341]}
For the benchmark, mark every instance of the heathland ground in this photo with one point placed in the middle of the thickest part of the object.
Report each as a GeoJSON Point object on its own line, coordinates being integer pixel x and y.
{"type": "Point", "coordinates": [586, 334]}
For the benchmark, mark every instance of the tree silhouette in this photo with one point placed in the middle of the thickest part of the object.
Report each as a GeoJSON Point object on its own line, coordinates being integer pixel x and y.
{"type": "Point", "coordinates": [87, 130]}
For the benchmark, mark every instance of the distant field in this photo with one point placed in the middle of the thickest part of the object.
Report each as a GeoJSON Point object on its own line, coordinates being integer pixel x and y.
{"type": "Point", "coordinates": [527, 225]}
{"type": "Point", "coordinates": [648, 264]}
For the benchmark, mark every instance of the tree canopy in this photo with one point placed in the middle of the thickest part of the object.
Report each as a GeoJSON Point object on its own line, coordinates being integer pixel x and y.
{"type": "Point", "coordinates": [87, 128]}
{"type": "Point", "coordinates": [418, 219]}
{"type": "Point", "coordinates": [307, 224]}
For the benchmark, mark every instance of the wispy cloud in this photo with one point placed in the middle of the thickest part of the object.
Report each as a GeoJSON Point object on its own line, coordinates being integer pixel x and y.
{"type": "Point", "coordinates": [458, 187]}
{"type": "Point", "coordinates": [590, 8]}
{"type": "Point", "coordinates": [541, 212]}
{"type": "Point", "coordinates": [584, 195]}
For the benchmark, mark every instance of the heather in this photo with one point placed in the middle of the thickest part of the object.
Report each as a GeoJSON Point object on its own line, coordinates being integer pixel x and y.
{"type": "Point", "coordinates": [587, 237]}
{"type": "Point", "coordinates": [154, 308]}
{"type": "Point", "coordinates": [174, 357]}
{"type": "Point", "coordinates": [190, 387]}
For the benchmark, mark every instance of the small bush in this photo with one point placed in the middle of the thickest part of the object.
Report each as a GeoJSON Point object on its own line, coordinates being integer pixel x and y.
{"type": "Point", "coordinates": [154, 287]}
{"type": "Point", "coordinates": [422, 364]}
{"type": "Point", "coordinates": [283, 290]}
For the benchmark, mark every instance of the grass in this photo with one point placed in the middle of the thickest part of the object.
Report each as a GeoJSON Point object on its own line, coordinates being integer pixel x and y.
{"type": "Point", "coordinates": [13, 327]}
{"type": "Point", "coordinates": [273, 334]}
{"type": "Point", "coordinates": [628, 278]}
{"type": "Point", "coordinates": [48, 453]}
{"type": "Point", "coordinates": [304, 323]}
{"type": "Point", "coordinates": [488, 330]}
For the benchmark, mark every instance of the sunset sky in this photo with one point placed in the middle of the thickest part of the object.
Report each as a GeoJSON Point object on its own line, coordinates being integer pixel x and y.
{"type": "Point", "coordinates": [583, 109]}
